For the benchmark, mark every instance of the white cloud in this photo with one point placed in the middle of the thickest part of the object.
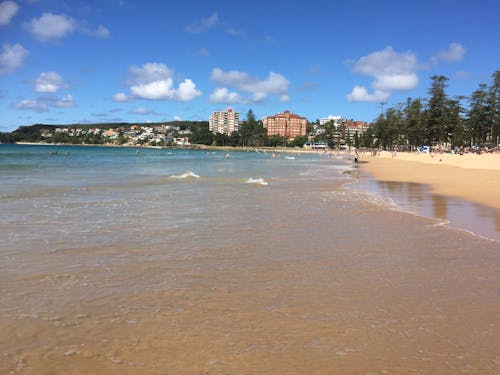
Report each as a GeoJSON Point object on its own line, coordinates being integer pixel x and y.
{"type": "Point", "coordinates": [150, 72]}
{"type": "Point", "coordinates": [223, 95]}
{"type": "Point", "coordinates": [156, 90]}
{"type": "Point", "coordinates": [51, 26]}
{"type": "Point", "coordinates": [177, 118]}
{"type": "Point", "coordinates": [49, 82]}
{"type": "Point", "coordinates": [153, 81]}
{"type": "Point", "coordinates": [454, 53]}
{"type": "Point", "coordinates": [8, 9]}
{"type": "Point", "coordinates": [100, 32]}
{"type": "Point", "coordinates": [360, 94]}
{"type": "Point", "coordinates": [65, 102]}
{"type": "Point", "coordinates": [32, 105]}
{"type": "Point", "coordinates": [142, 111]}
{"type": "Point", "coordinates": [187, 91]}
{"type": "Point", "coordinates": [120, 97]}
{"type": "Point", "coordinates": [274, 84]}
{"type": "Point", "coordinates": [399, 82]}
{"type": "Point", "coordinates": [12, 57]}
{"type": "Point", "coordinates": [203, 25]}
{"type": "Point", "coordinates": [284, 98]}
{"type": "Point", "coordinates": [391, 70]}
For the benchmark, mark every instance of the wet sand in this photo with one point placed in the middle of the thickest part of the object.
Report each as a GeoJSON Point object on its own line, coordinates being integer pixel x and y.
{"type": "Point", "coordinates": [472, 177]}
{"type": "Point", "coordinates": [304, 276]}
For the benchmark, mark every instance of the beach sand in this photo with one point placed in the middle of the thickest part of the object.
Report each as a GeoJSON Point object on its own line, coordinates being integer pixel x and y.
{"type": "Point", "coordinates": [472, 177]}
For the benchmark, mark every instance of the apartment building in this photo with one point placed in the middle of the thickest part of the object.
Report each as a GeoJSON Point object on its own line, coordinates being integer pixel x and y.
{"type": "Point", "coordinates": [224, 122]}
{"type": "Point", "coordinates": [285, 124]}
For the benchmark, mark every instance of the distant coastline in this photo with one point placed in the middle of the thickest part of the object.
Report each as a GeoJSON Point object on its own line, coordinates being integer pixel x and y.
{"type": "Point", "coordinates": [186, 147]}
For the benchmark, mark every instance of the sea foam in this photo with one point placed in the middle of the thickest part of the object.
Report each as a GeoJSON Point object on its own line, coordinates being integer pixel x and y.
{"type": "Point", "coordinates": [257, 181]}
{"type": "Point", "coordinates": [186, 175]}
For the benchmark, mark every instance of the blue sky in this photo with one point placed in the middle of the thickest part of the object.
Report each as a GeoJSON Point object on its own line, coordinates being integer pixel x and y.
{"type": "Point", "coordinates": [139, 61]}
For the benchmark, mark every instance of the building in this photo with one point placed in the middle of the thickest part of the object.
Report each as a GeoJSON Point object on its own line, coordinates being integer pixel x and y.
{"type": "Point", "coordinates": [336, 120]}
{"type": "Point", "coordinates": [285, 124]}
{"type": "Point", "coordinates": [224, 122]}
{"type": "Point", "coordinates": [355, 127]}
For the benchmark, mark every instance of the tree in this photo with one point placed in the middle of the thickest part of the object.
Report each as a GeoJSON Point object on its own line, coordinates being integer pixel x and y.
{"type": "Point", "coordinates": [414, 123]}
{"type": "Point", "coordinates": [250, 116]}
{"type": "Point", "coordinates": [495, 107]}
{"type": "Point", "coordinates": [252, 132]}
{"type": "Point", "coordinates": [456, 129]}
{"type": "Point", "coordinates": [298, 141]}
{"type": "Point", "coordinates": [437, 111]}
{"type": "Point", "coordinates": [480, 118]}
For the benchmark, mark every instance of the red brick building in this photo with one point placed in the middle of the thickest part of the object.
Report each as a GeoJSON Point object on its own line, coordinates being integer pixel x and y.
{"type": "Point", "coordinates": [285, 124]}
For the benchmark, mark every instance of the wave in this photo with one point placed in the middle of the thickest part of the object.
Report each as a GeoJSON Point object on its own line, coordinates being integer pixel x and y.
{"type": "Point", "coordinates": [290, 157]}
{"type": "Point", "coordinates": [257, 181]}
{"type": "Point", "coordinates": [186, 175]}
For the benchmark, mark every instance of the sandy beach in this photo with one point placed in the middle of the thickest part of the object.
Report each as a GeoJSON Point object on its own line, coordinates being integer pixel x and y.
{"type": "Point", "coordinates": [473, 177]}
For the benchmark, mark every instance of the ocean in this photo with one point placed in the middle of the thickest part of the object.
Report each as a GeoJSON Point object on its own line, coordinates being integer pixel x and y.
{"type": "Point", "coordinates": [176, 261]}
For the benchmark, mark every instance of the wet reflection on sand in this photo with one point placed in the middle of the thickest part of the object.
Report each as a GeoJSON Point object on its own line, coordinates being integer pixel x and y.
{"type": "Point", "coordinates": [417, 198]}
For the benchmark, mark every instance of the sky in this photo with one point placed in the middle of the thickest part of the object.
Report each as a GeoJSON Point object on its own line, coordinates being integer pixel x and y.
{"type": "Point", "coordinates": [68, 62]}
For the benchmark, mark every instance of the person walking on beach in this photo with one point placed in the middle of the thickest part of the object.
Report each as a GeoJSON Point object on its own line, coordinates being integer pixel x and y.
{"type": "Point", "coordinates": [356, 158]}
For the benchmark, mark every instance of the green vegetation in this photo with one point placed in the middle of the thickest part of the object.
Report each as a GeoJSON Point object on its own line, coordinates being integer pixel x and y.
{"type": "Point", "coordinates": [440, 121]}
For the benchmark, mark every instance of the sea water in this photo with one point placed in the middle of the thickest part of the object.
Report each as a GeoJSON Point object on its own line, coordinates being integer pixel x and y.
{"type": "Point", "coordinates": [123, 260]}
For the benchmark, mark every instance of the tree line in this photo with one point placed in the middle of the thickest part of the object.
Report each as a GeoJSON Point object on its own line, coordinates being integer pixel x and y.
{"type": "Point", "coordinates": [440, 121]}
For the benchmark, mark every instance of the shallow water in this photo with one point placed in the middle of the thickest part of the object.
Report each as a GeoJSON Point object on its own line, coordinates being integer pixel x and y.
{"type": "Point", "coordinates": [108, 264]}
{"type": "Point", "coordinates": [418, 199]}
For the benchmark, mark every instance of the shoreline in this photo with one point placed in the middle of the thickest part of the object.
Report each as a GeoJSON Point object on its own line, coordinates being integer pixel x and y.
{"type": "Point", "coordinates": [188, 147]}
{"type": "Point", "coordinates": [475, 178]}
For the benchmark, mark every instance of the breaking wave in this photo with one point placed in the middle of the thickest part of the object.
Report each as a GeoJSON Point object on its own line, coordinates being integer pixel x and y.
{"type": "Point", "coordinates": [186, 175]}
{"type": "Point", "coordinates": [257, 181]}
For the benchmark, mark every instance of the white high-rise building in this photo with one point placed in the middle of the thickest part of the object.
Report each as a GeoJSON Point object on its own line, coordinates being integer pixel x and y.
{"type": "Point", "coordinates": [336, 120]}
{"type": "Point", "coordinates": [224, 122]}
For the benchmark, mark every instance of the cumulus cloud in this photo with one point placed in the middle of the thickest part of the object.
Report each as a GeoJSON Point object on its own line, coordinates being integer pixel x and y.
{"type": "Point", "coordinates": [223, 95]}
{"type": "Point", "coordinates": [156, 90]}
{"type": "Point", "coordinates": [284, 98]}
{"type": "Point", "coordinates": [360, 94]}
{"type": "Point", "coordinates": [391, 70]}
{"type": "Point", "coordinates": [49, 82]}
{"type": "Point", "coordinates": [177, 118]}
{"type": "Point", "coordinates": [203, 25]}
{"type": "Point", "coordinates": [65, 102]}
{"type": "Point", "coordinates": [51, 26]}
{"type": "Point", "coordinates": [32, 105]}
{"type": "Point", "coordinates": [153, 81]}
{"type": "Point", "coordinates": [454, 53]}
{"type": "Point", "coordinates": [259, 89]}
{"type": "Point", "coordinates": [187, 91]}
{"type": "Point", "coordinates": [8, 10]}
{"type": "Point", "coordinates": [99, 32]}
{"type": "Point", "coordinates": [120, 97]}
{"type": "Point", "coordinates": [142, 111]}
{"type": "Point", "coordinates": [45, 102]}
{"type": "Point", "coordinates": [12, 57]}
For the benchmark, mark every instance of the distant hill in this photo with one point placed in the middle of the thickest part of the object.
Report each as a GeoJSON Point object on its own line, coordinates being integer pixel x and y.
{"type": "Point", "coordinates": [32, 133]}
